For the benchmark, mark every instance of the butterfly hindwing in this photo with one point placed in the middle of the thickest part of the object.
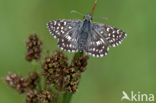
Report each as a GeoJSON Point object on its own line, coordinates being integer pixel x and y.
{"type": "Point", "coordinates": [101, 37]}
{"type": "Point", "coordinates": [96, 44]}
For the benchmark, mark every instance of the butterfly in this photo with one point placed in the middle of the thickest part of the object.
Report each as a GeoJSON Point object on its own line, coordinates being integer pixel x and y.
{"type": "Point", "coordinates": [91, 37]}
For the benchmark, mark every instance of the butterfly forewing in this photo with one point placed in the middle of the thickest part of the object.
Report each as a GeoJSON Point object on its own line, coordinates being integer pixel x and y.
{"type": "Point", "coordinates": [67, 32]}
{"type": "Point", "coordinates": [112, 36]}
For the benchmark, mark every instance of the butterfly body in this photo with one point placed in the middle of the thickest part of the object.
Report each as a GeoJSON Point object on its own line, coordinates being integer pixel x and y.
{"type": "Point", "coordinates": [93, 38]}
{"type": "Point", "coordinates": [85, 31]}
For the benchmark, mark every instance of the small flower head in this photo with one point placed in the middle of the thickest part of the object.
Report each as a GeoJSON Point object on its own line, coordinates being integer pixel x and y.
{"type": "Point", "coordinates": [33, 48]}
{"type": "Point", "coordinates": [18, 82]}
{"type": "Point", "coordinates": [53, 68]}
{"type": "Point", "coordinates": [33, 80]}
{"type": "Point", "coordinates": [73, 73]}
{"type": "Point", "coordinates": [32, 96]}
{"type": "Point", "coordinates": [46, 96]}
{"type": "Point", "coordinates": [80, 63]}
{"type": "Point", "coordinates": [72, 77]}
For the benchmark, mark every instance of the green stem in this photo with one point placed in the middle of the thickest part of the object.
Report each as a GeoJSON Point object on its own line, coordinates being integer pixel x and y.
{"type": "Point", "coordinates": [67, 97]}
{"type": "Point", "coordinates": [78, 54]}
{"type": "Point", "coordinates": [34, 65]}
{"type": "Point", "coordinates": [39, 86]}
{"type": "Point", "coordinates": [60, 98]}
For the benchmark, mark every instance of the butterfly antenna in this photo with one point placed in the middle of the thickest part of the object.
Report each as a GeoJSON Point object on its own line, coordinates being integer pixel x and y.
{"type": "Point", "coordinates": [105, 18]}
{"type": "Point", "coordinates": [92, 12]}
{"type": "Point", "coordinates": [74, 11]}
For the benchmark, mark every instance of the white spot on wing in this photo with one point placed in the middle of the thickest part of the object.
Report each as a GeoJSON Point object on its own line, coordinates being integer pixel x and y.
{"type": "Point", "coordinates": [97, 55]}
{"type": "Point", "coordinates": [54, 36]}
{"type": "Point", "coordinates": [69, 27]}
{"type": "Point", "coordinates": [93, 49]}
{"type": "Point", "coordinates": [108, 29]}
{"type": "Point", "coordinates": [98, 43]}
{"type": "Point", "coordinates": [68, 37]}
{"type": "Point", "coordinates": [101, 55]}
{"type": "Point", "coordinates": [118, 31]}
{"type": "Point", "coordinates": [54, 22]}
{"type": "Point", "coordinates": [113, 45]}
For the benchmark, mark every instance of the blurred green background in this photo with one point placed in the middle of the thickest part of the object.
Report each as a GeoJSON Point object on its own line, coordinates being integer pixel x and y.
{"type": "Point", "coordinates": [129, 67]}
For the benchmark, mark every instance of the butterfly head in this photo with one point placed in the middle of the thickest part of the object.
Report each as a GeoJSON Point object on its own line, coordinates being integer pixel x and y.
{"type": "Point", "coordinates": [88, 17]}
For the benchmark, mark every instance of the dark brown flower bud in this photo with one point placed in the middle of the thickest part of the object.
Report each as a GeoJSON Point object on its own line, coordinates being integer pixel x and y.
{"type": "Point", "coordinates": [32, 96]}
{"type": "Point", "coordinates": [46, 96]}
{"type": "Point", "coordinates": [72, 77]}
{"type": "Point", "coordinates": [53, 68]}
{"type": "Point", "coordinates": [33, 48]}
{"type": "Point", "coordinates": [18, 82]}
{"type": "Point", "coordinates": [80, 63]}
{"type": "Point", "coordinates": [33, 80]}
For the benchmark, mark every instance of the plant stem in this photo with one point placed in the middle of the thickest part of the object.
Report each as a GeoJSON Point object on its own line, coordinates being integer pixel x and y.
{"type": "Point", "coordinates": [78, 54]}
{"type": "Point", "coordinates": [60, 98]}
{"type": "Point", "coordinates": [67, 97]}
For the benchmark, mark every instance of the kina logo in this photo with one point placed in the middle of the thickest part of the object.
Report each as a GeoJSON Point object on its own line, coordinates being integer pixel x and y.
{"type": "Point", "coordinates": [138, 96]}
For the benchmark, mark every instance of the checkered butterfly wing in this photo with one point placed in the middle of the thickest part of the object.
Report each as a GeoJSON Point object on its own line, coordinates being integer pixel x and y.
{"type": "Point", "coordinates": [67, 32]}
{"type": "Point", "coordinates": [102, 36]}
{"type": "Point", "coordinates": [112, 35]}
